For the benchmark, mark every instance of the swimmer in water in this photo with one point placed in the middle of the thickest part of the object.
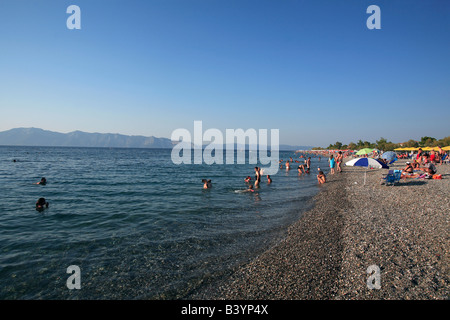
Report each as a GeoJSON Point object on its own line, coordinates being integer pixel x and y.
{"type": "Point", "coordinates": [206, 184]}
{"type": "Point", "coordinates": [248, 179]}
{"type": "Point", "coordinates": [42, 182]}
{"type": "Point", "coordinates": [269, 179]}
{"type": "Point", "coordinates": [41, 204]}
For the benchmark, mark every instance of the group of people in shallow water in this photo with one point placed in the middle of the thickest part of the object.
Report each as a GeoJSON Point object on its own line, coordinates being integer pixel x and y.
{"type": "Point", "coordinates": [302, 168]}
{"type": "Point", "coordinates": [258, 173]}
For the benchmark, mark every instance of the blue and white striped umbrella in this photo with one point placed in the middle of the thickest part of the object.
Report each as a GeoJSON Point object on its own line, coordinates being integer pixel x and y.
{"type": "Point", "coordinates": [366, 162]}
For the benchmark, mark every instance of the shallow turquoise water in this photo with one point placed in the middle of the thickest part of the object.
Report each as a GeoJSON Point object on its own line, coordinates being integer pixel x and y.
{"type": "Point", "coordinates": [137, 225]}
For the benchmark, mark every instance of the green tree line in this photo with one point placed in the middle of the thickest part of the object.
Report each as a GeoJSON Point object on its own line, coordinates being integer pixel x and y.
{"type": "Point", "coordinates": [385, 145]}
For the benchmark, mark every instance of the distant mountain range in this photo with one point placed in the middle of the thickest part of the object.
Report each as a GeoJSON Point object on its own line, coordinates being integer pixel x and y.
{"type": "Point", "coordinates": [40, 137]}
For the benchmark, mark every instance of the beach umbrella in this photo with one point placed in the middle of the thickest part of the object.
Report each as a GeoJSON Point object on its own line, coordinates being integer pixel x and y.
{"type": "Point", "coordinates": [390, 156]}
{"type": "Point", "coordinates": [368, 163]}
{"type": "Point", "coordinates": [446, 148]}
{"type": "Point", "coordinates": [364, 151]}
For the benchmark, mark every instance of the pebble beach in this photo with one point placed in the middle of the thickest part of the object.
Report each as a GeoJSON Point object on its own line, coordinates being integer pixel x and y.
{"type": "Point", "coordinates": [402, 229]}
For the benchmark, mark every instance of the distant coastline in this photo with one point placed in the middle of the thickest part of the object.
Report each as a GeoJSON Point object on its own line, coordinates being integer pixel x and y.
{"type": "Point", "coordinates": [36, 137]}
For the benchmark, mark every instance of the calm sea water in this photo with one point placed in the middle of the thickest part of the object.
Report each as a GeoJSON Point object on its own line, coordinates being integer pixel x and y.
{"type": "Point", "coordinates": [137, 225]}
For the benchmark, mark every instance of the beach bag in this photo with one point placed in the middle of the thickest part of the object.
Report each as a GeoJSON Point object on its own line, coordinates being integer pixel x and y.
{"type": "Point", "coordinates": [437, 176]}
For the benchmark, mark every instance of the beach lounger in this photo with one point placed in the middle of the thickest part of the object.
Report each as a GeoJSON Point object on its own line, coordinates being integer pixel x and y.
{"type": "Point", "coordinates": [393, 177]}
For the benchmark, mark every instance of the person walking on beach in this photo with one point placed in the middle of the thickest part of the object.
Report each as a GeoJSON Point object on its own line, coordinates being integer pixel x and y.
{"type": "Point", "coordinates": [332, 164]}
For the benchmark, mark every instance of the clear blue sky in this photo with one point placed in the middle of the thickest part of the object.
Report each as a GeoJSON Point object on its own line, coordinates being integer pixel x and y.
{"type": "Point", "coordinates": [311, 69]}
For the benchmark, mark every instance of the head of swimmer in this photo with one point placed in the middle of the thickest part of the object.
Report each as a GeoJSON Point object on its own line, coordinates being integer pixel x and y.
{"type": "Point", "coordinates": [206, 183]}
{"type": "Point", "coordinates": [41, 204]}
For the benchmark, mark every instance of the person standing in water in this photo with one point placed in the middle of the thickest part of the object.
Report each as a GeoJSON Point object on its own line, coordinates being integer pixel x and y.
{"type": "Point", "coordinates": [288, 165]}
{"type": "Point", "coordinates": [257, 176]}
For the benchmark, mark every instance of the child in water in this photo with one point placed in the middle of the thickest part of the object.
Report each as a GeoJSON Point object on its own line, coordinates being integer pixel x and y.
{"type": "Point", "coordinates": [321, 178]}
